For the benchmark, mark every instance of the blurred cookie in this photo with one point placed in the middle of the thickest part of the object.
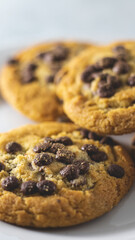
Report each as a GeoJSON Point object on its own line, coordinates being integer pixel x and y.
{"type": "Point", "coordinates": [98, 89]}
{"type": "Point", "coordinates": [53, 175]}
{"type": "Point", "coordinates": [27, 81]}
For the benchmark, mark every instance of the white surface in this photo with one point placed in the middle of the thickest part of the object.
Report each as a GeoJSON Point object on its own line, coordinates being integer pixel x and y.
{"type": "Point", "coordinates": [26, 21]}
{"type": "Point", "coordinates": [119, 223]}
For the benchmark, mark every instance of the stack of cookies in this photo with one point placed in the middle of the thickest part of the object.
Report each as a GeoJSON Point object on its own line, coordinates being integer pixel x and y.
{"type": "Point", "coordinates": [67, 170]}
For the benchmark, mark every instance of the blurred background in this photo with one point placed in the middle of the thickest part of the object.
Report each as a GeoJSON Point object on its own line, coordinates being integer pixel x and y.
{"type": "Point", "coordinates": [23, 22]}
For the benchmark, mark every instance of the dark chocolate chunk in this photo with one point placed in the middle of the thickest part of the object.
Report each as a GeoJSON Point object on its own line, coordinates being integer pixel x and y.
{"type": "Point", "coordinates": [65, 156]}
{"type": "Point", "coordinates": [28, 73]}
{"type": "Point", "coordinates": [89, 148]}
{"type": "Point", "coordinates": [13, 147]}
{"type": "Point", "coordinates": [2, 166]}
{"type": "Point", "coordinates": [10, 183]}
{"type": "Point", "coordinates": [84, 132]}
{"type": "Point", "coordinates": [43, 159]}
{"type": "Point", "coordinates": [46, 187]}
{"type": "Point", "coordinates": [55, 147]}
{"type": "Point", "coordinates": [82, 165]}
{"type": "Point", "coordinates": [49, 139]}
{"type": "Point", "coordinates": [109, 80]}
{"type": "Point", "coordinates": [115, 171]}
{"type": "Point", "coordinates": [106, 62]}
{"type": "Point", "coordinates": [29, 188]}
{"type": "Point", "coordinates": [120, 52]}
{"type": "Point", "coordinates": [99, 156]}
{"type": "Point", "coordinates": [121, 67]}
{"type": "Point", "coordinates": [42, 147]}
{"type": "Point", "coordinates": [94, 136]}
{"type": "Point", "coordinates": [87, 76]}
{"type": "Point", "coordinates": [106, 91]}
{"type": "Point", "coordinates": [70, 172]}
{"type": "Point", "coordinates": [131, 81]}
{"type": "Point", "coordinates": [64, 140]}
{"type": "Point", "coordinates": [31, 67]}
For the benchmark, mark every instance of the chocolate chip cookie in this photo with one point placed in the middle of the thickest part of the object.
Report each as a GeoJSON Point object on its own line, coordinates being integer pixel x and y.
{"type": "Point", "coordinates": [56, 174]}
{"type": "Point", "coordinates": [98, 89]}
{"type": "Point", "coordinates": [27, 80]}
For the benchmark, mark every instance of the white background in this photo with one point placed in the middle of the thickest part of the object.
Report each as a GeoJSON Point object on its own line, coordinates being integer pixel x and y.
{"type": "Point", "coordinates": [26, 21]}
{"type": "Point", "coordinates": [23, 22]}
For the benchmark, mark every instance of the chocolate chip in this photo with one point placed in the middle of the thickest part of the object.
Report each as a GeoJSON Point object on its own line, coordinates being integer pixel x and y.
{"type": "Point", "coordinates": [46, 187]}
{"type": "Point", "coordinates": [63, 118]}
{"type": "Point", "coordinates": [49, 79]}
{"type": "Point", "coordinates": [10, 183]}
{"type": "Point", "coordinates": [131, 81]}
{"type": "Point", "coordinates": [60, 53]}
{"type": "Point", "coordinates": [2, 166]}
{"type": "Point", "coordinates": [99, 156]}
{"type": "Point", "coordinates": [41, 55]}
{"type": "Point", "coordinates": [89, 148]}
{"type": "Point", "coordinates": [64, 140]}
{"type": "Point", "coordinates": [78, 182]}
{"type": "Point", "coordinates": [87, 76]}
{"type": "Point", "coordinates": [42, 147]}
{"type": "Point", "coordinates": [65, 156]}
{"type": "Point", "coordinates": [106, 91]}
{"type": "Point", "coordinates": [55, 147]}
{"type": "Point", "coordinates": [31, 67]}
{"type": "Point", "coordinates": [29, 188]}
{"type": "Point", "coordinates": [28, 74]}
{"type": "Point", "coordinates": [115, 171]}
{"type": "Point", "coordinates": [70, 172]}
{"type": "Point", "coordinates": [108, 141]}
{"type": "Point", "coordinates": [82, 165]}
{"type": "Point", "coordinates": [94, 136]}
{"type": "Point", "coordinates": [84, 132]}
{"type": "Point", "coordinates": [13, 147]}
{"type": "Point", "coordinates": [121, 67]}
{"type": "Point", "coordinates": [43, 159]}
{"type": "Point", "coordinates": [12, 61]}
{"type": "Point", "coordinates": [109, 80]}
{"type": "Point", "coordinates": [106, 62]}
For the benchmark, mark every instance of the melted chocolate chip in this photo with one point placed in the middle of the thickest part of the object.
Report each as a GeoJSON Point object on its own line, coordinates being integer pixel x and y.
{"type": "Point", "coordinates": [106, 91]}
{"type": "Point", "coordinates": [10, 183]}
{"type": "Point", "coordinates": [43, 159]}
{"type": "Point", "coordinates": [109, 80]}
{"type": "Point", "coordinates": [108, 141]}
{"type": "Point", "coordinates": [29, 188]}
{"type": "Point", "coordinates": [70, 172]}
{"type": "Point", "coordinates": [99, 156]}
{"type": "Point", "coordinates": [89, 148]}
{"type": "Point", "coordinates": [115, 171]}
{"type": "Point", "coordinates": [65, 156]}
{"type": "Point", "coordinates": [55, 147]}
{"type": "Point", "coordinates": [78, 182]}
{"type": "Point", "coordinates": [31, 67]}
{"type": "Point", "coordinates": [28, 73]}
{"type": "Point", "coordinates": [87, 76]}
{"type": "Point", "coordinates": [82, 165]}
{"type": "Point", "coordinates": [131, 81]}
{"type": "Point", "coordinates": [42, 147]}
{"type": "Point", "coordinates": [2, 166]}
{"type": "Point", "coordinates": [49, 79]}
{"type": "Point", "coordinates": [64, 140]}
{"type": "Point", "coordinates": [121, 67]}
{"type": "Point", "coordinates": [13, 147]}
{"type": "Point", "coordinates": [12, 61]}
{"type": "Point", "coordinates": [58, 54]}
{"type": "Point", "coordinates": [46, 187]}
{"type": "Point", "coordinates": [106, 62]}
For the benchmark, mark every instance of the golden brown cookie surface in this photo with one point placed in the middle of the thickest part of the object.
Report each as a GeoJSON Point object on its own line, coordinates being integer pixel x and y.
{"type": "Point", "coordinates": [56, 171]}
{"type": "Point", "coordinates": [98, 89]}
{"type": "Point", "coordinates": [27, 81]}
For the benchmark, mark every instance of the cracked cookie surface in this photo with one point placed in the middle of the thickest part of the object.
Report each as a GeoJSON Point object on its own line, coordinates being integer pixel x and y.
{"type": "Point", "coordinates": [98, 89]}
{"type": "Point", "coordinates": [27, 81]}
{"type": "Point", "coordinates": [54, 175]}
